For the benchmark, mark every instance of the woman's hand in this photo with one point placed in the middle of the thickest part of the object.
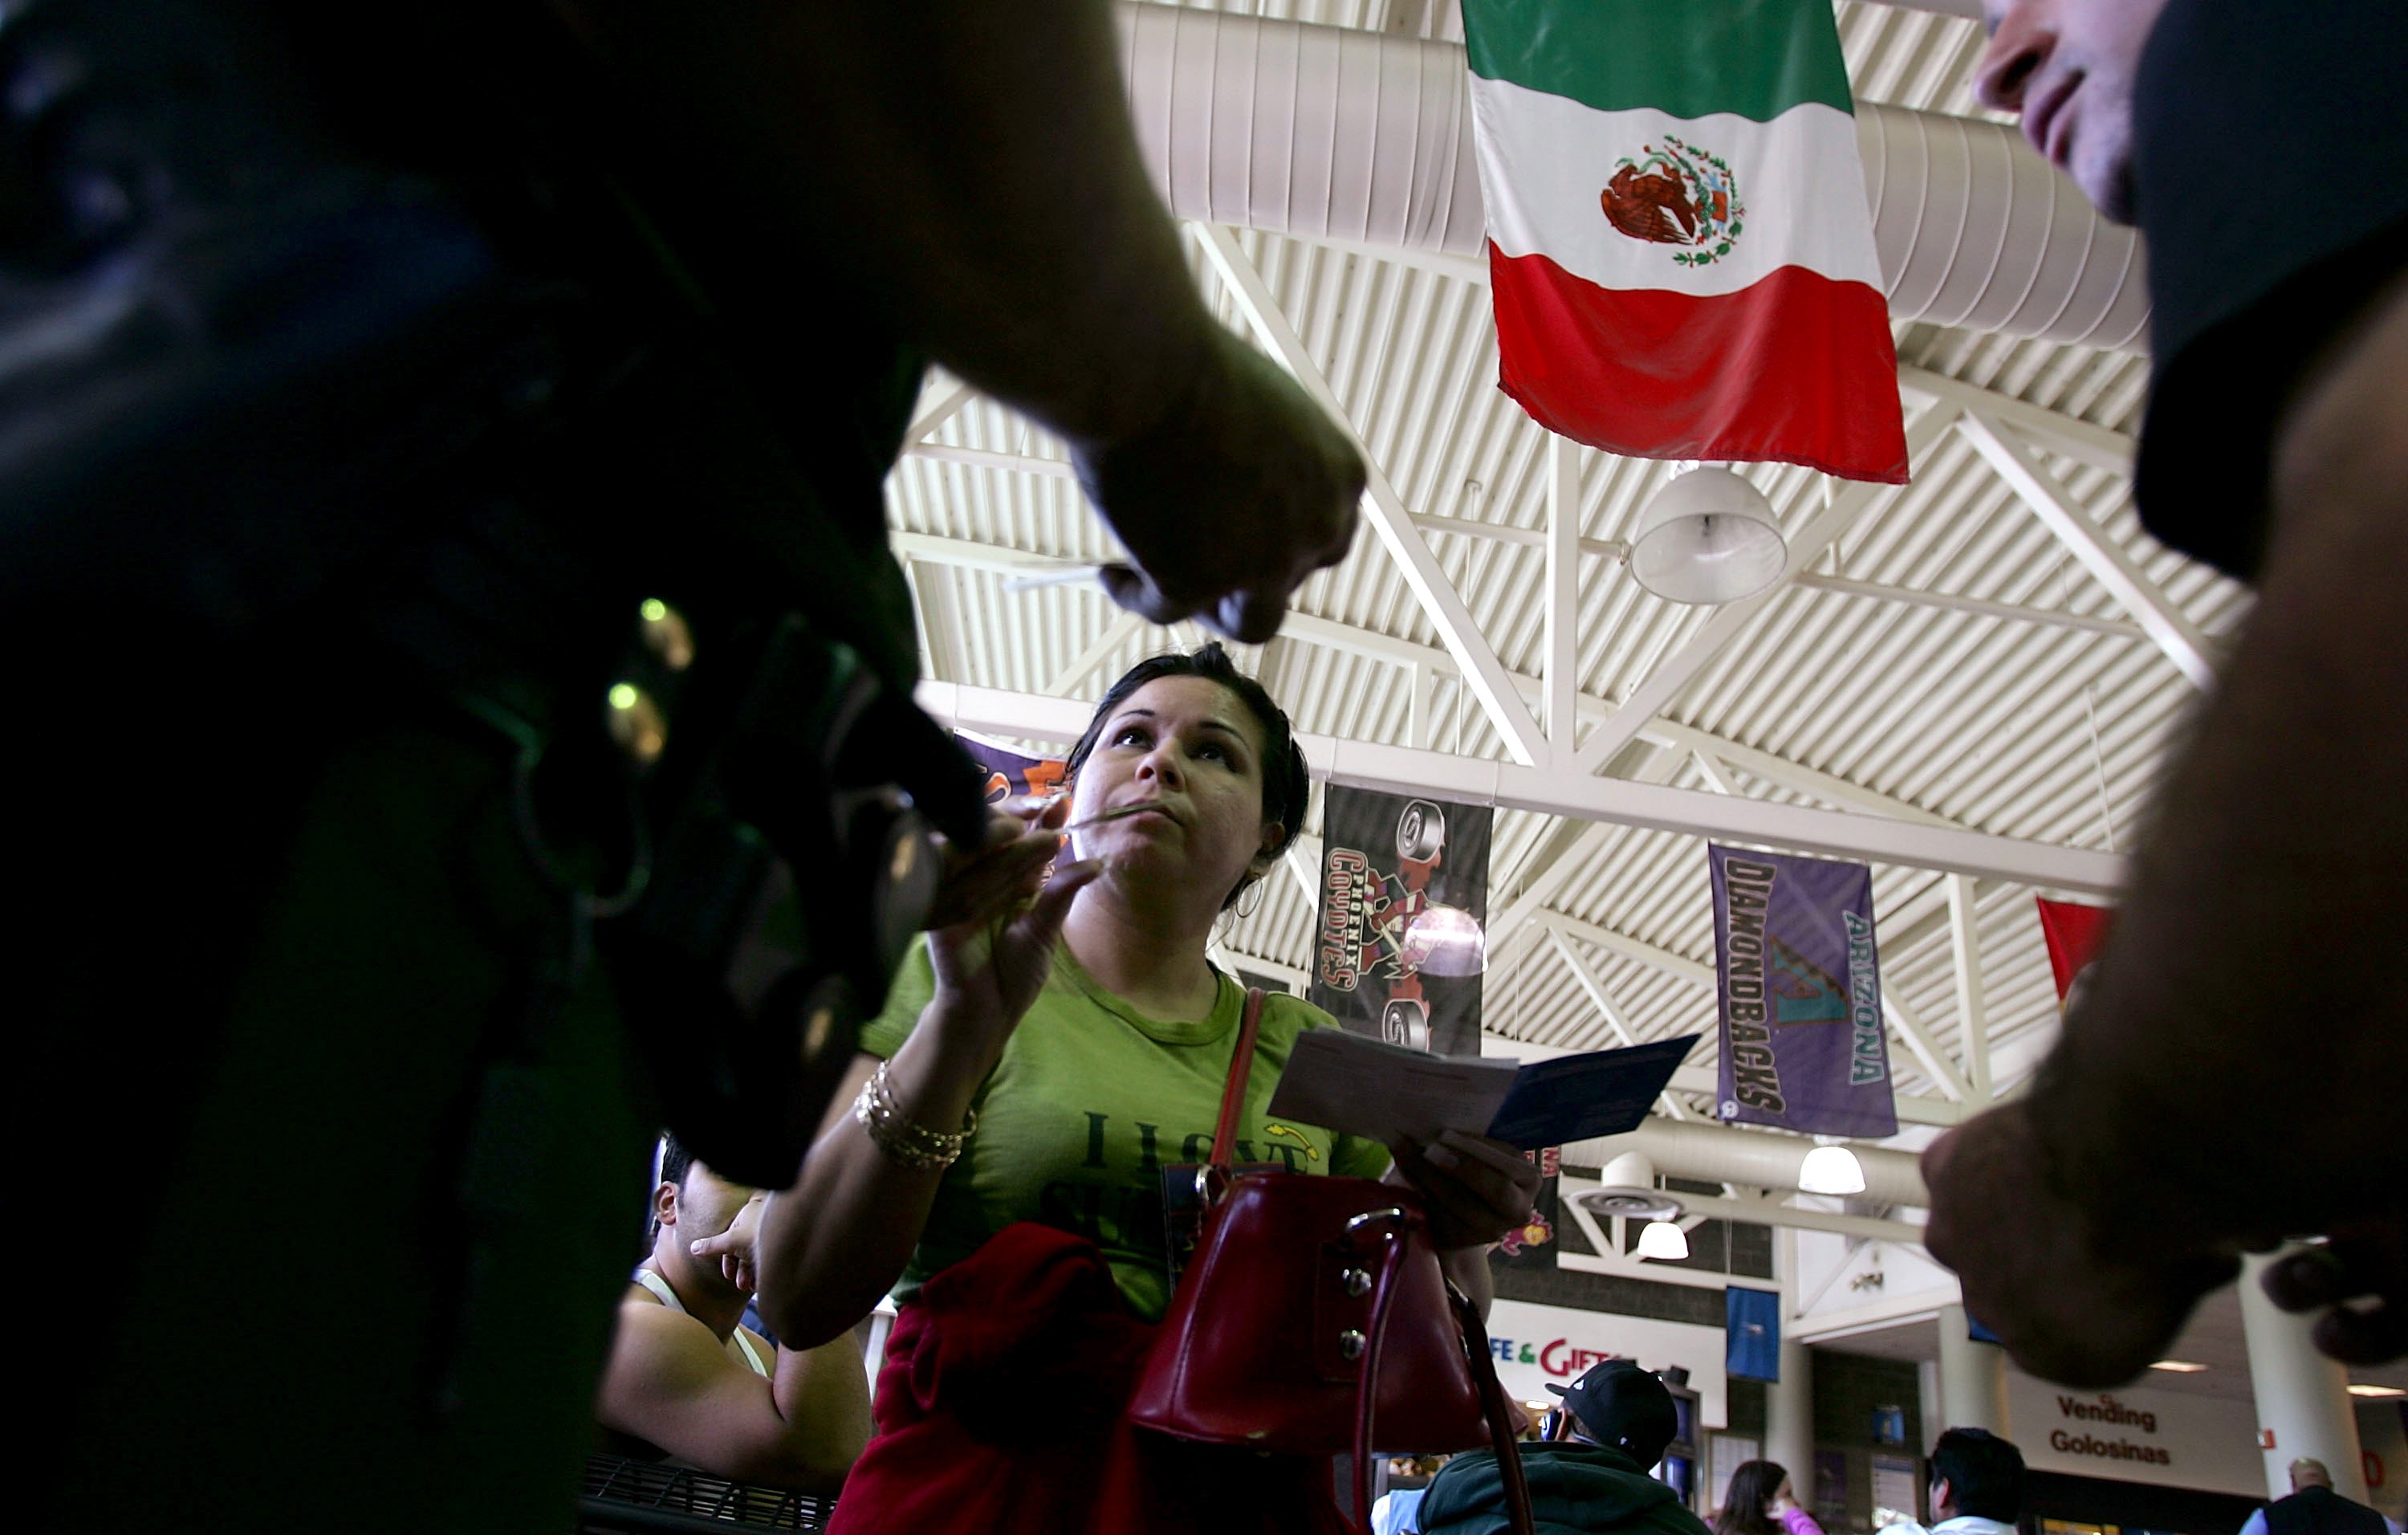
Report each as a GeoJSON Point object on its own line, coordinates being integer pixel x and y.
{"type": "Point", "coordinates": [1001, 916]}
{"type": "Point", "coordinates": [1477, 1189]}
{"type": "Point", "coordinates": [733, 1247]}
{"type": "Point", "coordinates": [1023, 836]}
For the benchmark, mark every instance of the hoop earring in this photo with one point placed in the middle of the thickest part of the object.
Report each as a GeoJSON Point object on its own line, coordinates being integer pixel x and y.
{"type": "Point", "coordinates": [1253, 889]}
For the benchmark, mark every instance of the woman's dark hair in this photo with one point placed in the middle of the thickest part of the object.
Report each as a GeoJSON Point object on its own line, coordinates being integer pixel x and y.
{"type": "Point", "coordinates": [1286, 782]}
{"type": "Point", "coordinates": [1752, 1486]}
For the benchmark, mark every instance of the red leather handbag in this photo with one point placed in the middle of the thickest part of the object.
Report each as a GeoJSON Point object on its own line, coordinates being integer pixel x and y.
{"type": "Point", "coordinates": [1314, 1319]}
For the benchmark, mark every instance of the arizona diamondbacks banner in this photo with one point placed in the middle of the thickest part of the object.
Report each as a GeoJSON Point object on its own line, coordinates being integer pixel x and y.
{"type": "Point", "coordinates": [1009, 772]}
{"type": "Point", "coordinates": [1404, 911]}
{"type": "Point", "coordinates": [1799, 990]}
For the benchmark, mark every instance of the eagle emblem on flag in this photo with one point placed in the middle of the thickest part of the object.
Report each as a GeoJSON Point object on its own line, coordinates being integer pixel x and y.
{"type": "Point", "coordinates": [1676, 195]}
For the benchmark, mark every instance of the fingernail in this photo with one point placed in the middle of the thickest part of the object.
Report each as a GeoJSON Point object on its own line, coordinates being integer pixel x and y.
{"type": "Point", "coordinates": [695, 1248]}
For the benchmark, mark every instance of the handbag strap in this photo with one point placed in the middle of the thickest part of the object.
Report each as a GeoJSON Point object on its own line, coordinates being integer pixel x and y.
{"type": "Point", "coordinates": [1233, 1097]}
{"type": "Point", "coordinates": [1492, 1401]}
{"type": "Point", "coordinates": [1484, 1375]}
{"type": "Point", "coordinates": [1366, 1380]}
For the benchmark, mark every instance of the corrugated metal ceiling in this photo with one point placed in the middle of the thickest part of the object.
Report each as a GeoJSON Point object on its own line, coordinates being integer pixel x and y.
{"type": "Point", "coordinates": [2019, 727]}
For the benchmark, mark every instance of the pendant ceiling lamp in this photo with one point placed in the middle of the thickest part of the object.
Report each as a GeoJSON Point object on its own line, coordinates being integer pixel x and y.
{"type": "Point", "coordinates": [1662, 1240]}
{"type": "Point", "coordinates": [1831, 1169]}
{"type": "Point", "coordinates": [1707, 536]}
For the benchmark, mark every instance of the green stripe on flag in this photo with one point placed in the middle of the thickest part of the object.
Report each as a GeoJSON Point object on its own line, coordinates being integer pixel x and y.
{"type": "Point", "coordinates": [1689, 58]}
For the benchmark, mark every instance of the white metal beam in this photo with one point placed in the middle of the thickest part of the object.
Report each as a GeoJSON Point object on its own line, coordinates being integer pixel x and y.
{"type": "Point", "coordinates": [1119, 632]}
{"type": "Point", "coordinates": [982, 458]}
{"type": "Point", "coordinates": [1773, 769]}
{"type": "Point", "coordinates": [1803, 829]}
{"type": "Point", "coordinates": [1972, 1012]}
{"type": "Point", "coordinates": [945, 407]}
{"type": "Point", "coordinates": [2067, 437]}
{"type": "Point", "coordinates": [1441, 602]}
{"type": "Point", "coordinates": [1563, 596]}
{"type": "Point", "coordinates": [1711, 767]}
{"type": "Point", "coordinates": [1303, 861]}
{"type": "Point", "coordinates": [1729, 621]}
{"type": "Point", "coordinates": [1753, 1213]}
{"type": "Point", "coordinates": [2190, 649]}
{"type": "Point", "coordinates": [1804, 1220]}
{"type": "Point", "coordinates": [1594, 985]}
{"type": "Point", "coordinates": [1925, 1047]}
{"type": "Point", "coordinates": [2016, 612]}
{"type": "Point", "coordinates": [1427, 660]}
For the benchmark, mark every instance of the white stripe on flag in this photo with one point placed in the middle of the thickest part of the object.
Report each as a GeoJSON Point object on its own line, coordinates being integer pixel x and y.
{"type": "Point", "coordinates": [1544, 160]}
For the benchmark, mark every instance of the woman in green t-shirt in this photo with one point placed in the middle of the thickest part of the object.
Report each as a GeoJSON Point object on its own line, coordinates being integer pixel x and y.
{"type": "Point", "coordinates": [1051, 1059]}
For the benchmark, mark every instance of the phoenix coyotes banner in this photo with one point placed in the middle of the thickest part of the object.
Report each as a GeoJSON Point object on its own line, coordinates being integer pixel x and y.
{"type": "Point", "coordinates": [1799, 990]}
{"type": "Point", "coordinates": [1532, 1245]}
{"type": "Point", "coordinates": [1009, 772]}
{"type": "Point", "coordinates": [2075, 933]}
{"type": "Point", "coordinates": [1404, 913]}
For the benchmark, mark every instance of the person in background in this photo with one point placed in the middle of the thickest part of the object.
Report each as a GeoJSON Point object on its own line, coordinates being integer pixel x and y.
{"type": "Point", "coordinates": [2087, 1217]}
{"type": "Point", "coordinates": [690, 264]}
{"type": "Point", "coordinates": [1760, 1500]}
{"type": "Point", "coordinates": [1588, 1471]}
{"type": "Point", "coordinates": [687, 1380]}
{"type": "Point", "coordinates": [1024, 1104]}
{"type": "Point", "coordinates": [1977, 1485]}
{"type": "Point", "coordinates": [1398, 1512]}
{"type": "Point", "coordinates": [2315, 1509]}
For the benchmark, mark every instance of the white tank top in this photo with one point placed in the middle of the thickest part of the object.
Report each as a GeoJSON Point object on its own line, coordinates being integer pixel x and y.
{"type": "Point", "coordinates": [661, 1287]}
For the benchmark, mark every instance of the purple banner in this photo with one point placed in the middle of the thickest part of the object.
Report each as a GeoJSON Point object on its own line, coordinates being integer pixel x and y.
{"type": "Point", "coordinates": [1404, 911]}
{"type": "Point", "coordinates": [1798, 987]}
{"type": "Point", "coordinates": [1009, 772]}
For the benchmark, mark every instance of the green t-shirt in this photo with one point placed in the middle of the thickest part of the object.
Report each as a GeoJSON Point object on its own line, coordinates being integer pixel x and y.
{"type": "Point", "coordinates": [1091, 1100]}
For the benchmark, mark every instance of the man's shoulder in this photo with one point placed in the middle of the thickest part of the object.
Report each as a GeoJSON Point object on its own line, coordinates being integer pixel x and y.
{"type": "Point", "coordinates": [653, 1336]}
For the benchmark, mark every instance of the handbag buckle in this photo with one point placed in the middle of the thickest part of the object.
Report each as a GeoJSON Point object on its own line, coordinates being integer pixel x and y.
{"type": "Point", "coordinates": [1356, 1223]}
{"type": "Point", "coordinates": [1211, 1182]}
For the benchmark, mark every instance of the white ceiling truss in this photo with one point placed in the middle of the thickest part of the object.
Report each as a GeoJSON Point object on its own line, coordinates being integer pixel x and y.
{"type": "Point", "coordinates": [1968, 681]}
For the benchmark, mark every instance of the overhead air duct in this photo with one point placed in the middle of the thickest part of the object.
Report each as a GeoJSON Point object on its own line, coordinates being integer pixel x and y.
{"type": "Point", "coordinates": [1364, 137]}
{"type": "Point", "coordinates": [1718, 1154]}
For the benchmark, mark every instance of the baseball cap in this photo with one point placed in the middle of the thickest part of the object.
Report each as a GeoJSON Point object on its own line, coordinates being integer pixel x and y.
{"type": "Point", "coordinates": [1621, 1405]}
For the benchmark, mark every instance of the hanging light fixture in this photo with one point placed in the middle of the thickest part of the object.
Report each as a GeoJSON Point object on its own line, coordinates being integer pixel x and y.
{"type": "Point", "coordinates": [1662, 1240]}
{"type": "Point", "coordinates": [1627, 1191]}
{"type": "Point", "coordinates": [1707, 536]}
{"type": "Point", "coordinates": [1831, 1169]}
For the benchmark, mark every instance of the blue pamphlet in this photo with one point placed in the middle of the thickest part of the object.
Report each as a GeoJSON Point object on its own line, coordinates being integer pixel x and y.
{"type": "Point", "coordinates": [1579, 1098]}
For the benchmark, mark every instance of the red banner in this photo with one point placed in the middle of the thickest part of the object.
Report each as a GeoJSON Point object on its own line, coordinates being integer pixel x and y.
{"type": "Point", "coordinates": [2075, 933]}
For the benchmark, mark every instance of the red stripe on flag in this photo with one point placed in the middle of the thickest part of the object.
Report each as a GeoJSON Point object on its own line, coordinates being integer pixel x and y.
{"type": "Point", "coordinates": [1795, 369]}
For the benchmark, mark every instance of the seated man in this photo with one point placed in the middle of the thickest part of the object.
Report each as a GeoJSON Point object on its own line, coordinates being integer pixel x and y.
{"type": "Point", "coordinates": [1590, 1473]}
{"type": "Point", "coordinates": [1977, 1485]}
{"type": "Point", "coordinates": [687, 1380]}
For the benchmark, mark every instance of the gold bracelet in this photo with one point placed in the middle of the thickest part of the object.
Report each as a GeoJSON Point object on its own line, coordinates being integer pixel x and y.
{"type": "Point", "coordinates": [902, 1137]}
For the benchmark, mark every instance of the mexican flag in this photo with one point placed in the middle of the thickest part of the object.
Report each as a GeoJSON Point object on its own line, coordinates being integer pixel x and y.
{"type": "Point", "coordinates": [1679, 244]}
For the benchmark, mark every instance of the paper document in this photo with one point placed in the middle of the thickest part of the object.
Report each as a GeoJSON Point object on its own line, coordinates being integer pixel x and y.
{"type": "Point", "coordinates": [1388, 1092]}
